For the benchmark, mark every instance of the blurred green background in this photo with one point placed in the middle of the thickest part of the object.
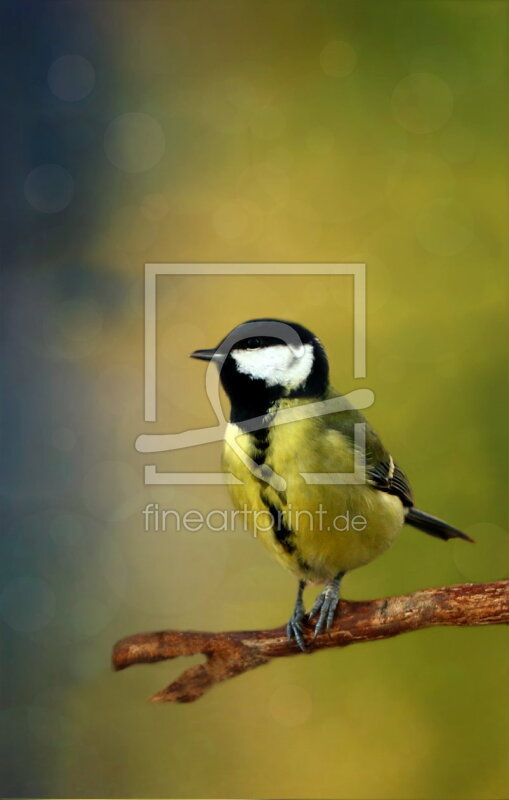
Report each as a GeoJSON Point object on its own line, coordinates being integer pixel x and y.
{"type": "Point", "coordinates": [297, 131]}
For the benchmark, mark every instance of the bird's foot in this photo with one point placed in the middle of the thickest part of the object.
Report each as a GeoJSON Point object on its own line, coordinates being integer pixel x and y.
{"type": "Point", "coordinates": [325, 606]}
{"type": "Point", "coordinates": [294, 629]}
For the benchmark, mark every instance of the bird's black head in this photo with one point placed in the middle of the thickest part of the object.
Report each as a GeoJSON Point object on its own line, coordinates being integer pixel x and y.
{"type": "Point", "coordinates": [263, 360]}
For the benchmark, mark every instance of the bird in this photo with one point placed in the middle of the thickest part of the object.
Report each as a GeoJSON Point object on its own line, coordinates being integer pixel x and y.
{"type": "Point", "coordinates": [284, 426]}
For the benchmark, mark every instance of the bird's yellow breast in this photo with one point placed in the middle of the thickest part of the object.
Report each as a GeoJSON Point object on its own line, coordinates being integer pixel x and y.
{"type": "Point", "coordinates": [320, 529]}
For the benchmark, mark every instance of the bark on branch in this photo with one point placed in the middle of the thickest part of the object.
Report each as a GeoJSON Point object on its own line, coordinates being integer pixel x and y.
{"type": "Point", "coordinates": [232, 653]}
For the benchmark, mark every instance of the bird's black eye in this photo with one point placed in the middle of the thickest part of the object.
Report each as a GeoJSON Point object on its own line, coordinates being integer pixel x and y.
{"type": "Point", "coordinates": [253, 343]}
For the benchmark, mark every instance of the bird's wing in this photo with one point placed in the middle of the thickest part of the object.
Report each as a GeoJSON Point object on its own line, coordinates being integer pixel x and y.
{"type": "Point", "coordinates": [384, 474]}
{"type": "Point", "coordinates": [381, 471]}
{"type": "Point", "coordinates": [388, 477]}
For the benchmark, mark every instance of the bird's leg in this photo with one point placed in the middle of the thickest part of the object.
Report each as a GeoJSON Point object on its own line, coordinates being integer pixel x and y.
{"type": "Point", "coordinates": [325, 604]}
{"type": "Point", "coordinates": [294, 627]}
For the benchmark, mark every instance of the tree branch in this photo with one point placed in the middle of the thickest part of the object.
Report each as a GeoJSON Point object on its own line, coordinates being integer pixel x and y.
{"type": "Point", "coordinates": [231, 653]}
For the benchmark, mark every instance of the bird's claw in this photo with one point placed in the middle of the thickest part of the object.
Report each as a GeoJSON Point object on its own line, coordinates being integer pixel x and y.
{"type": "Point", "coordinates": [325, 606]}
{"type": "Point", "coordinates": [294, 631]}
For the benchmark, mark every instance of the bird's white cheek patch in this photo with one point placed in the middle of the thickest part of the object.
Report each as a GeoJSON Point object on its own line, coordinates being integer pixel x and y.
{"type": "Point", "coordinates": [276, 365]}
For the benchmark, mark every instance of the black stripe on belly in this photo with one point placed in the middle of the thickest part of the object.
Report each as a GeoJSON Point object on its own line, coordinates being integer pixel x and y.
{"type": "Point", "coordinates": [283, 534]}
{"type": "Point", "coordinates": [260, 440]}
{"type": "Point", "coordinates": [305, 567]}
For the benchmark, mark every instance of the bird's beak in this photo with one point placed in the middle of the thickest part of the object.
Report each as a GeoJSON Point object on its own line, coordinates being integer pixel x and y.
{"type": "Point", "coordinates": [204, 355]}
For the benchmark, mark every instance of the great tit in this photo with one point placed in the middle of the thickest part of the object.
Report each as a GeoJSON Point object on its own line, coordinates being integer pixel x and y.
{"type": "Point", "coordinates": [272, 371]}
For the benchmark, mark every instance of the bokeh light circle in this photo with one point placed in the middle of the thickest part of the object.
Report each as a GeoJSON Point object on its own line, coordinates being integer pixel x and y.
{"type": "Point", "coordinates": [27, 604]}
{"type": "Point", "coordinates": [338, 59]}
{"type": "Point", "coordinates": [71, 77]}
{"type": "Point", "coordinates": [49, 188]}
{"type": "Point", "coordinates": [134, 142]}
{"type": "Point", "coordinates": [422, 102]}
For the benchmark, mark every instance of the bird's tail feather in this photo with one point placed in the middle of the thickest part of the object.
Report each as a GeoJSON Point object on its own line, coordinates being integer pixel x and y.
{"type": "Point", "coordinates": [433, 526]}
